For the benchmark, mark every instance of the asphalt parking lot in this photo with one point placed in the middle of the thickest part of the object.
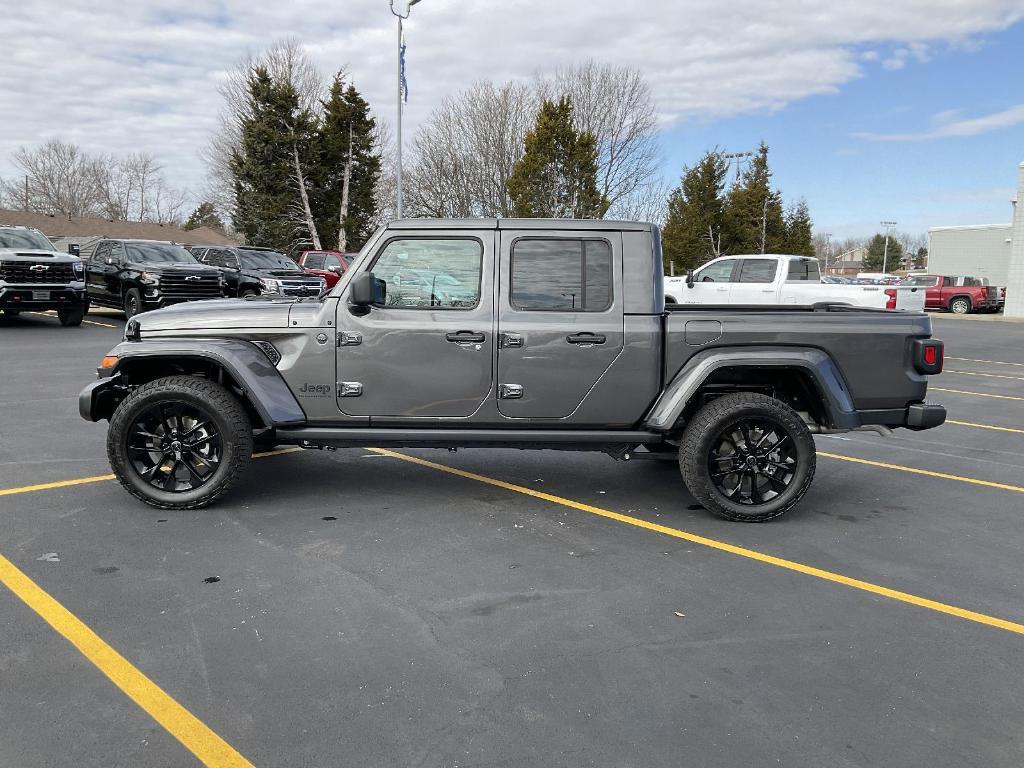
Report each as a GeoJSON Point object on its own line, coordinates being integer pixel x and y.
{"type": "Point", "coordinates": [529, 609]}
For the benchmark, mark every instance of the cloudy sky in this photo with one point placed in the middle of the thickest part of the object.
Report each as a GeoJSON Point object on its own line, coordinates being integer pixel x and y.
{"type": "Point", "coordinates": [904, 109]}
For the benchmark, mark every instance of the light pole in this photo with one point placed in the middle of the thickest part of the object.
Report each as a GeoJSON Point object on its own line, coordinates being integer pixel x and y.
{"type": "Point", "coordinates": [885, 254]}
{"type": "Point", "coordinates": [408, 8]}
{"type": "Point", "coordinates": [739, 157]}
{"type": "Point", "coordinates": [828, 248]}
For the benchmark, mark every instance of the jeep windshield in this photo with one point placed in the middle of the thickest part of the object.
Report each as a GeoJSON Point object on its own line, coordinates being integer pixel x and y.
{"type": "Point", "coordinates": [267, 260]}
{"type": "Point", "coordinates": [158, 253]}
{"type": "Point", "coordinates": [24, 238]}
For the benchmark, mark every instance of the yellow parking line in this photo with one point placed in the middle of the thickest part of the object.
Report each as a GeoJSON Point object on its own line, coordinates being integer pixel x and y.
{"type": "Point", "coordinates": [988, 362]}
{"type": "Point", "coordinates": [838, 578]}
{"type": "Point", "coordinates": [88, 322]}
{"type": "Point", "coordinates": [196, 736]}
{"type": "Point", "coordinates": [926, 472]}
{"type": "Point", "coordinates": [102, 478]}
{"type": "Point", "coordinates": [988, 375]}
{"type": "Point", "coordinates": [984, 426]}
{"type": "Point", "coordinates": [975, 394]}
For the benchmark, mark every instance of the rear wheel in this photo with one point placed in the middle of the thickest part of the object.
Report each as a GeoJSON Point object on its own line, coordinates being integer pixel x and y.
{"type": "Point", "coordinates": [747, 457]}
{"type": "Point", "coordinates": [961, 305]}
{"type": "Point", "coordinates": [180, 442]}
{"type": "Point", "coordinates": [71, 316]}
{"type": "Point", "coordinates": [249, 292]}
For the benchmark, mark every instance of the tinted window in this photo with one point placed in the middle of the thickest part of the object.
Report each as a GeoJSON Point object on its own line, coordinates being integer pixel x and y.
{"type": "Point", "coordinates": [757, 270]}
{"type": "Point", "coordinates": [926, 281]}
{"type": "Point", "coordinates": [24, 238]}
{"type": "Point", "coordinates": [266, 260]}
{"type": "Point", "coordinates": [718, 272]}
{"type": "Point", "coordinates": [101, 253]}
{"type": "Point", "coordinates": [804, 269]}
{"type": "Point", "coordinates": [562, 275]}
{"type": "Point", "coordinates": [314, 260]}
{"type": "Point", "coordinates": [427, 273]}
{"type": "Point", "coordinates": [331, 260]}
{"type": "Point", "coordinates": [152, 253]}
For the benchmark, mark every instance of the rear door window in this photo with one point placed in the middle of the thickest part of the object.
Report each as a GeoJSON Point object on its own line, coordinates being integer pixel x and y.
{"type": "Point", "coordinates": [757, 270]}
{"type": "Point", "coordinates": [801, 270]}
{"type": "Point", "coordinates": [561, 275]}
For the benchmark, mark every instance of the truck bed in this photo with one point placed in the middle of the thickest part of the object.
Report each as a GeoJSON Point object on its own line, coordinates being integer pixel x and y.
{"type": "Point", "coordinates": [864, 342]}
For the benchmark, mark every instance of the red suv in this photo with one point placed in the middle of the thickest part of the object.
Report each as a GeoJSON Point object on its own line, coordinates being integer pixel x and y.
{"type": "Point", "coordinates": [330, 265]}
{"type": "Point", "coordinates": [959, 295]}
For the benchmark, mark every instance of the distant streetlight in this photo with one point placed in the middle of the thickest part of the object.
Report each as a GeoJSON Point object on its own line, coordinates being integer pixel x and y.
{"type": "Point", "coordinates": [739, 157]}
{"type": "Point", "coordinates": [885, 254]}
{"type": "Point", "coordinates": [401, 65]}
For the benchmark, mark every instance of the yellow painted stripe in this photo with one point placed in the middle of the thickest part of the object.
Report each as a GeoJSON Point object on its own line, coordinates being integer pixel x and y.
{"type": "Point", "coordinates": [987, 375]}
{"type": "Point", "coordinates": [196, 736]}
{"type": "Point", "coordinates": [984, 426]}
{"type": "Point", "coordinates": [987, 362]}
{"type": "Point", "coordinates": [926, 472]}
{"type": "Point", "coordinates": [838, 578]}
{"type": "Point", "coordinates": [88, 322]}
{"type": "Point", "coordinates": [102, 478]}
{"type": "Point", "coordinates": [974, 394]}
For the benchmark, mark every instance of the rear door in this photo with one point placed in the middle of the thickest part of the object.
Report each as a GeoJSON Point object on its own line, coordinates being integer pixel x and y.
{"type": "Point", "coordinates": [755, 282]}
{"type": "Point", "coordinates": [427, 351]}
{"type": "Point", "coordinates": [560, 319]}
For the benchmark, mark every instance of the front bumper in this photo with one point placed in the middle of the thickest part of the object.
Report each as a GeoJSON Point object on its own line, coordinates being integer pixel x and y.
{"type": "Point", "coordinates": [97, 400]}
{"type": "Point", "coordinates": [43, 297]}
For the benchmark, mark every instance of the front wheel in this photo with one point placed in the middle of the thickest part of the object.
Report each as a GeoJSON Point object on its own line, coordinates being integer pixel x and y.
{"type": "Point", "coordinates": [132, 303]}
{"type": "Point", "coordinates": [179, 442]}
{"type": "Point", "coordinates": [747, 457]}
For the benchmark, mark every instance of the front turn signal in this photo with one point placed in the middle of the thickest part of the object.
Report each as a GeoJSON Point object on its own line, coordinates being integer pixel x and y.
{"type": "Point", "coordinates": [108, 362]}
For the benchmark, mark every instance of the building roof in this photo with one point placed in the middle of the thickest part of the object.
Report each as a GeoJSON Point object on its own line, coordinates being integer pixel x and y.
{"type": "Point", "coordinates": [60, 226]}
{"type": "Point", "coordinates": [970, 227]}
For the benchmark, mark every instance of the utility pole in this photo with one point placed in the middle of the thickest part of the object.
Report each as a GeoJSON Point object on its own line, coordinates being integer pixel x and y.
{"type": "Point", "coordinates": [885, 254]}
{"type": "Point", "coordinates": [401, 65]}
{"type": "Point", "coordinates": [828, 249]}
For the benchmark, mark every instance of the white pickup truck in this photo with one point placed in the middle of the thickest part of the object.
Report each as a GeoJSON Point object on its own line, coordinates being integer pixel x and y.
{"type": "Point", "coordinates": [779, 279]}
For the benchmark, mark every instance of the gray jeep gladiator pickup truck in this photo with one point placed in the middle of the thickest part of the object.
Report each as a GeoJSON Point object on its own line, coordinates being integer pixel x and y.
{"type": "Point", "coordinates": [513, 334]}
{"type": "Point", "coordinates": [34, 277]}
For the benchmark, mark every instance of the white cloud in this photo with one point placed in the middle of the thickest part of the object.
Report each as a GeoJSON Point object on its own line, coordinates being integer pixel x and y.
{"type": "Point", "coordinates": [118, 76]}
{"type": "Point", "coordinates": [946, 125]}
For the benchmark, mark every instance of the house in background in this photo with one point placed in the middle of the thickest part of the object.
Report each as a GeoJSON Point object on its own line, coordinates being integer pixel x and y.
{"type": "Point", "coordinates": [75, 233]}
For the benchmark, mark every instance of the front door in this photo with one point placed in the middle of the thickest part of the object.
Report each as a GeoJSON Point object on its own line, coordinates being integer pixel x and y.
{"type": "Point", "coordinates": [712, 284]}
{"type": "Point", "coordinates": [427, 350]}
{"type": "Point", "coordinates": [560, 320]}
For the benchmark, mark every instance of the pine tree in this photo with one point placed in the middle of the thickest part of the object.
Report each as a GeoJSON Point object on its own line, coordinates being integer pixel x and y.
{"type": "Point", "coordinates": [267, 166]}
{"type": "Point", "coordinates": [753, 210]}
{"type": "Point", "coordinates": [557, 175]}
{"type": "Point", "coordinates": [799, 230]}
{"type": "Point", "coordinates": [348, 167]}
{"type": "Point", "coordinates": [205, 215]}
{"type": "Point", "coordinates": [875, 260]}
{"type": "Point", "coordinates": [693, 227]}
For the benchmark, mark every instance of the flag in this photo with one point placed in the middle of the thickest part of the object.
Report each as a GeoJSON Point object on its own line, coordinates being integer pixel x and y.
{"type": "Point", "coordinates": [401, 60]}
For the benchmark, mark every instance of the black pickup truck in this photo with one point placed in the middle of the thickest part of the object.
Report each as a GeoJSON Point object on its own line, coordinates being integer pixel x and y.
{"type": "Point", "coordinates": [515, 334]}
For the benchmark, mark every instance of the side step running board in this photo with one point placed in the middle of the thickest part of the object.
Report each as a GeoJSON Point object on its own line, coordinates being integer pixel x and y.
{"type": "Point", "coordinates": [355, 437]}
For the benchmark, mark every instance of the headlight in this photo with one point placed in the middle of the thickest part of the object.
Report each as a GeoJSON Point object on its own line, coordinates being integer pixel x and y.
{"type": "Point", "coordinates": [269, 285]}
{"type": "Point", "coordinates": [149, 278]}
{"type": "Point", "coordinates": [79, 269]}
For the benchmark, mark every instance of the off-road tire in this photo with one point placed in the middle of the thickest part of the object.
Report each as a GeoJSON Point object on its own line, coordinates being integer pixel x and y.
{"type": "Point", "coordinates": [71, 317]}
{"type": "Point", "coordinates": [961, 305]}
{"type": "Point", "coordinates": [227, 414]}
{"type": "Point", "coordinates": [248, 292]}
{"type": "Point", "coordinates": [705, 427]}
{"type": "Point", "coordinates": [132, 303]}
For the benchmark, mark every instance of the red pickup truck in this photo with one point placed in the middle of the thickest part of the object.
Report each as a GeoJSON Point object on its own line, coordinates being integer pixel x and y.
{"type": "Point", "coordinates": [330, 265]}
{"type": "Point", "coordinates": [957, 294]}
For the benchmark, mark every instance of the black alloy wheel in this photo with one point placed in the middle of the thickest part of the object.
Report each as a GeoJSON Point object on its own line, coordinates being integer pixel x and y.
{"type": "Point", "coordinates": [174, 446]}
{"type": "Point", "coordinates": [752, 461]}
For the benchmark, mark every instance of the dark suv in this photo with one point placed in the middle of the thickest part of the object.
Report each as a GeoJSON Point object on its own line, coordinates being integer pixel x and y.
{"type": "Point", "coordinates": [139, 275]}
{"type": "Point", "coordinates": [251, 271]}
{"type": "Point", "coordinates": [35, 277]}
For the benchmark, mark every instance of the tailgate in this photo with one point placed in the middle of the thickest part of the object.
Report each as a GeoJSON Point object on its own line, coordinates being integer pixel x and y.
{"type": "Point", "coordinates": [910, 298]}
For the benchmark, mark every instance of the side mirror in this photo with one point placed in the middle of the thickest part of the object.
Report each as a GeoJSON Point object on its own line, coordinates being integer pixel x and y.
{"type": "Point", "coordinates": [335, 270]}
{"type": "Point", "coordinates": [689, 278]}
{"type": "Point", "coordinates": [367, 291]}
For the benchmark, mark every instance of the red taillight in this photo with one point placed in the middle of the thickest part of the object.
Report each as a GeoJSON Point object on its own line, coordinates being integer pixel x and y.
{"type": "Point", "coordinates": [928, 356]}
{"type": "Point", "coordinates": [931, 355]}
{"type": "Point", "coordinates": [891, 303]}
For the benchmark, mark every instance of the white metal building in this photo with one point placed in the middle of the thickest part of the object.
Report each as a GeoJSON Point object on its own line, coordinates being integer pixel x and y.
{"type": "Point", "coordinates": [979, 251]}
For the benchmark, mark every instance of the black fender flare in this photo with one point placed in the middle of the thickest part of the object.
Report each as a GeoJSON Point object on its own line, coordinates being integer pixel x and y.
{"type": "Point", "coordinates": [817, 364]}
{"type": "Point", "coordinates": [262, 384]}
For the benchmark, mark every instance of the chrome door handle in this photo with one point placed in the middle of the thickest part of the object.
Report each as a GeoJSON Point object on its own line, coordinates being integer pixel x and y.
{"type": "Point", "coordinates": [586, 337]}
{"type": "Point", "coordinates": [465, 337]}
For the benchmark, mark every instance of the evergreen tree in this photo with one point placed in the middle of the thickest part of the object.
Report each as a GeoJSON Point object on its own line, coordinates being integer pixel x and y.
{"type": "Point", "coordinates": [693, 226]}
{"type": "Point", "coordinates": [346, 157]}
{"type": "Point", "coordinates": [799, 230]}
{"type": "Point", "coordinates": [753, 210]}
{"type": "Point", "coordinates": [205, 216]}
{"type": "Point", "coordinates": [875, 260]}
{"type": "Point", "coordinates": [268, 194]}
{"type": "Point", "coordinates": [557, 174]}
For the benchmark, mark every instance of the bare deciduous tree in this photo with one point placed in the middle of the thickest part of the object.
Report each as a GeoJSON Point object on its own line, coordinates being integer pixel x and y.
{"type": "Point", "coordinates": [60, 178]}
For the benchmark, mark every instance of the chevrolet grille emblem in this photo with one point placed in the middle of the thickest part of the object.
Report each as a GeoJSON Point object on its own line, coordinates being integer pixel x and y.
{"type": "Point", "coordinates": [39, 267]}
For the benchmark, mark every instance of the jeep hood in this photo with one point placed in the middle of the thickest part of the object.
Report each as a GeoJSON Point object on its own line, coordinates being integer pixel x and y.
{"type": "Point", "coordinates": [220, 314]}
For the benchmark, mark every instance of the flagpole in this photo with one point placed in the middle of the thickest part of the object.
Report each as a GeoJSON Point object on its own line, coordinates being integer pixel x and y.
{"type": "Point", "coordinates": [398, 197]}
